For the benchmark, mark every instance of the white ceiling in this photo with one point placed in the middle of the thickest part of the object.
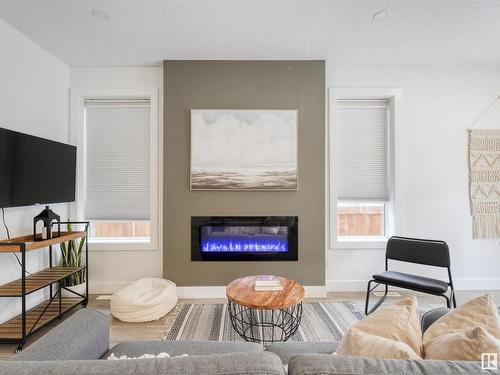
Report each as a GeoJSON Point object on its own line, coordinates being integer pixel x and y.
{"type": "Point", "coordinates": [415, 32]}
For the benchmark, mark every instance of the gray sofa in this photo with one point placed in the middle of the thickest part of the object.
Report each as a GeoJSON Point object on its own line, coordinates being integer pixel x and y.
{"type": "Point", "coordinates": [80, 345]}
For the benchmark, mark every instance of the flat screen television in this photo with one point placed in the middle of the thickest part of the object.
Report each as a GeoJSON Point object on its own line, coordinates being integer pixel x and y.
{"type": "Point", "coordinates": [35, 170]}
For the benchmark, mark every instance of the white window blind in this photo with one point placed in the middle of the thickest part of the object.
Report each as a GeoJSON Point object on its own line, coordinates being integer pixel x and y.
{"type": "Point", "coordinates": [362, 150]}
{"type": "Point", "coordinates": [118, 159]}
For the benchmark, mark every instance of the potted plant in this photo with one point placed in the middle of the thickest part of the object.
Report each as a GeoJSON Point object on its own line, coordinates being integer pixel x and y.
{"type": "Point", "coordinates": [72, 252]}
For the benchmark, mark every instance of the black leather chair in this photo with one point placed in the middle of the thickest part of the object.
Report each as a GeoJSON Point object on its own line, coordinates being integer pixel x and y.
{"type": "Point", "coordinates": [419, 251]}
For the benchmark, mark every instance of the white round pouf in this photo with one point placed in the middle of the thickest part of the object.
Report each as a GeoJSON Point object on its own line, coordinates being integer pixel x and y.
{"type": "Point", "coordinates": [144, 300]}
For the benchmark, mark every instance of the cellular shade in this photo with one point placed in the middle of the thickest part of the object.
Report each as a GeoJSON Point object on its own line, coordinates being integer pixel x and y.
{"type": "Point", "coordinates": [118, 159]}
{"type": "Point", "coordinates": [362, 150]}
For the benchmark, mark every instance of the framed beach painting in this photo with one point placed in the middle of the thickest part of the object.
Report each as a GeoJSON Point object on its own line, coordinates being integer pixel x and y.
{"type": "Point", "coordinates": [240, 149]}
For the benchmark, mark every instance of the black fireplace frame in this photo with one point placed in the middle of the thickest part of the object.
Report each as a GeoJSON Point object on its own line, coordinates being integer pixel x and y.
{"type": "Point", "coordinates": [291, 222]}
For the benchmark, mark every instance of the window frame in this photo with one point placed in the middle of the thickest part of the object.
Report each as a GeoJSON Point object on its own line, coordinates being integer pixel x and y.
{"type": "Point", "coordinates": [392, 224]}
{"type": "Point", "coordinates": [77, 121]}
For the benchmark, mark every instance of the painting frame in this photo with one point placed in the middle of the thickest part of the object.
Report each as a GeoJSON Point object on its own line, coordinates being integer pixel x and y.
{"type": "Point", "coordinates": [294, 175]}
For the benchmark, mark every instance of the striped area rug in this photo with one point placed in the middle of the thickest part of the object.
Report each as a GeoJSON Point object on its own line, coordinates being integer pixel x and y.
{"type": "Point", "coordinates": [321, 321]}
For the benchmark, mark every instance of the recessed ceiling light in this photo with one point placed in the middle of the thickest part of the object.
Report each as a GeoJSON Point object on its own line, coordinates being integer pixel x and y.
{"type": "Point", "coordinates": [380, 15]}
{"type": "Point", "coordinates": [100, 15]}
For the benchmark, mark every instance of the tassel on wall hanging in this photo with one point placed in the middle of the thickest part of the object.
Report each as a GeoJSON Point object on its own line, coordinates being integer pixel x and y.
{"type": "Point", "coordinates": [484, 180]}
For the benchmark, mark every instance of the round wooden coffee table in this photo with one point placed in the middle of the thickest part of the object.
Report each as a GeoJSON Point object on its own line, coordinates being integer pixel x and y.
{"type": "Point", "coordinates": [265, 316]}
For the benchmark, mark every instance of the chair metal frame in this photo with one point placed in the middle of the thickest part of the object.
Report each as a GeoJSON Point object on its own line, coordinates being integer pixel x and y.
{"type": "Point", "coordinates": [450, 300]}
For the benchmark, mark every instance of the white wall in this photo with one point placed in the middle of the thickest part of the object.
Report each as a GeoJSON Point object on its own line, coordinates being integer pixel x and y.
{"type": "Point", "coordinates": [33, 99]}
{"type": "Point", "coordinates": [110, 270]}
{"type": "Point", "coordinates": [439, 104]}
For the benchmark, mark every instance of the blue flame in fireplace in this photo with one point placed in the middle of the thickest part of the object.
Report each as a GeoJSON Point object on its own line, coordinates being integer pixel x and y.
{"type": "Point", "coordinates": [244, 245]}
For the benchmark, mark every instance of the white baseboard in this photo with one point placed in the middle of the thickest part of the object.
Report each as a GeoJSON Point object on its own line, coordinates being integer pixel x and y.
{"type": "Point", "coordinates": [315, 291]}
{"type": "Point", "coordinates": [201, 292]}
{"type": "Point", "coordinates": [346, 285]}
{"type": "Point", "coordinates": [460, 284]}
{"type": "Point", "coordinates": [106, 287]}
{"type": "Point", "coordinates": [109, 287]}
{"type": "Point", "coordinates": [220, 291]}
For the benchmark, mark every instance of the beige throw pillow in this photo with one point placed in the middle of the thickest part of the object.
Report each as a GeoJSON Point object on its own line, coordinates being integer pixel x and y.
{"type": "Point", "coordinates": [390, 332]}
{"type": "Point", "coordinates": [465, 332]}
{"type": "Point", "coordinates": [361, 344]}
{"type": "Point", "coordinates": [466, 345]}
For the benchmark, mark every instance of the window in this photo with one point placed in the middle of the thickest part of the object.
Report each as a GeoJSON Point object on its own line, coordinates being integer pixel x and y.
{"type": "Point", "coordinates": [121, 230]}
{"type": "Point", "coordinates": [362, 168]}
{"type": "Point", "coordinates": [360, 219]}
{"type": "Point", "coordinates": [118, 169]}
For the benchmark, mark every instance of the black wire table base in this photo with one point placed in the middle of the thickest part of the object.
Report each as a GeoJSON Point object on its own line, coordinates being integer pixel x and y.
{"type": "Point", "coordinates": [265, 326]}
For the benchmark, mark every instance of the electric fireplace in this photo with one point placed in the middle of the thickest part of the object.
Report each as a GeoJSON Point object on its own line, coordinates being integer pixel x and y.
{"type": "Point", "coordinates": [237, 238]}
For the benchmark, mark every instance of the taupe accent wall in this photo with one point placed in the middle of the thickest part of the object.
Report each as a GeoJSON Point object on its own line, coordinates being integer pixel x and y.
{"type": "Point", "coordinates": [244, 85]}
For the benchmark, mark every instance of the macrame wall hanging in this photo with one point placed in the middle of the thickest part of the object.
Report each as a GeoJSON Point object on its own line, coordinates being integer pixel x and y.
{"type": "Point", "coordinates": [484, 179]}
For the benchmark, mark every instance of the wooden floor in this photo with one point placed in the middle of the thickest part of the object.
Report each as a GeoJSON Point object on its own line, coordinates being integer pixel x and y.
{"type": "Point", "coordinates": [121, 331]}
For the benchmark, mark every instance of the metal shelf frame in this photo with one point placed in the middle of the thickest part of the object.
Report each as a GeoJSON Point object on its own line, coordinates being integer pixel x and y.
{"type": "Point", "coordinates": [53, 295]}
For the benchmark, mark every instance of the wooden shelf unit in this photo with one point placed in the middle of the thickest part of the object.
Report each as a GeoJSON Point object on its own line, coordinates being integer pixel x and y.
{"type": "Point", "coordinates": [38, 281]}
{"type": "Point", "coordinates": [11, 330]}
{"type": "Point", "coordinates": [13, 245]}
{"type": "Point", "coordinates": [17, 330]}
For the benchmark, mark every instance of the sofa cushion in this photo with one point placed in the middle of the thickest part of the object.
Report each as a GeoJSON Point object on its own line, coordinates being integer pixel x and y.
{"type": "Point", "coordinates": [429, 317]}
{"type": "Point", "coordinates": [84, 335]}
{"type": "Point", "coordinates": [177, 348]}
{"type": "Point", "coordinates": [390, 332]}
{"type": "Point", "coordinates": [289, 349]}
{"type": "Point", "coordinates": [308, 364]}
{"type": "Point", "coordinates": [465, 332]}
{"type": "Point", "coordinates": [219, 364]}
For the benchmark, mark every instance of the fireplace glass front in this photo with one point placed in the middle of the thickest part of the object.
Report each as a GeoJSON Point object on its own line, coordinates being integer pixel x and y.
{"type": "Point", "coordinates": [244, 238]}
